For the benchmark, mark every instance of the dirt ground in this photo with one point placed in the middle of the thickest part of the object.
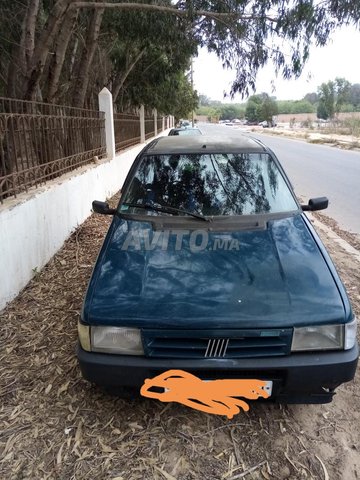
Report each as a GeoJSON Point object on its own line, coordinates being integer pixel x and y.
{"type": "Point", "coordinates": [319, 136]}
{"type": "Point", "coordinates": [54, 425]}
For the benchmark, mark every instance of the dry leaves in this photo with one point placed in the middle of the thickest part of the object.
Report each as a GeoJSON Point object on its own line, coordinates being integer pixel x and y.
{"type": "Point", "coordinates": [54, 425]}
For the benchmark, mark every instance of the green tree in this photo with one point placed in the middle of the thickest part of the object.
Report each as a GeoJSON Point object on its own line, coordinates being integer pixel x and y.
{"type": "Point", "coordinates": [342, 93]}
{"type": "Point", "coordinates": [261, 107]}
{"type": "Point", "coordinates": [284, 106]}
{"type": "Point", "coordinates": [204, 101]}
{"type": "Point", "coordinates": [326, 107]}
{"type": "Point", "coordinates": [332, 96]}
{"type": "Point", "coordinates": [253, 106]}
{"type": "Point", "coordinates": [322, 111]}
{"type": "Point", "coordinates": [302, 106]}
{"type": "Point", "coordinates": [347, 107]}
{"type": "Point", "coordinates": [207, 111]}
{"type": "Point", "coordinates": [177, 97]}
{"type": "Point", "coordinates": [268, 108]}
{"type": "Point", "coordinates": [355, 96]}
{"type": "Point", "coordinates": [311, 98]}
{"type": "Point", "coordinates": [244, 34]}
{"type": "Point", "coordinates": [295, 106]}
{"type": "Point", "coordinates": [164, 87]}
{"type": "Point", "coordinates": [230, 111]}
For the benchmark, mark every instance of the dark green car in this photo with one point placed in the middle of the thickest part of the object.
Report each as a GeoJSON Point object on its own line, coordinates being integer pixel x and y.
{"type": "Point", "coordinates": [211, 266]}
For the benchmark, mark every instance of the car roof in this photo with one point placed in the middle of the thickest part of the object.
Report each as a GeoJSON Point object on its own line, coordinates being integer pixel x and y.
{"type": "Point", "coordinates": [205, 144]}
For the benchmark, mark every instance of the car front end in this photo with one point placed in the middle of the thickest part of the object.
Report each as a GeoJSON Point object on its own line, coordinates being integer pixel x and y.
{"type": "Point", "coordinates": [250, 296]}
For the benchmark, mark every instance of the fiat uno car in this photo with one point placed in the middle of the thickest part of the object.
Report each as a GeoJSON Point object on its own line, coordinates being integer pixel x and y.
{"type": "Point", "coordinates": [211, 266]}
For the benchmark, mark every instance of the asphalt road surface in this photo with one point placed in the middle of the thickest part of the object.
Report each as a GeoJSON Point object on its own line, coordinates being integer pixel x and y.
{"type": "Point", "coordinates": [315, 171]}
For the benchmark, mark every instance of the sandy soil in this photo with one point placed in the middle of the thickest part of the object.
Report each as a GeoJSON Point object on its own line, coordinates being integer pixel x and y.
{"type": "Point", "coordinates": [54, 425]}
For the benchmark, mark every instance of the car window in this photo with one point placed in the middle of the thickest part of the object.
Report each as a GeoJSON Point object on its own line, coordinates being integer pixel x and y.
{"type": "Point", "coordinates": [185, 131]}
{"type": "Point", "coordinates": [211, 184]}
{"type": "Point", "coordinates": [188, 131]}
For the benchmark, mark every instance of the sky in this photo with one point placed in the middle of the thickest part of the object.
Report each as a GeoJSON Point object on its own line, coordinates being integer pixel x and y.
{"type": "Point", "coordinates": [338, 59]}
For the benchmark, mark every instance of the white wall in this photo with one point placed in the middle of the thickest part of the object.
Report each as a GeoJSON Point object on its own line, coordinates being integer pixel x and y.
{"type": "Point", "coordinates": [34, 226]}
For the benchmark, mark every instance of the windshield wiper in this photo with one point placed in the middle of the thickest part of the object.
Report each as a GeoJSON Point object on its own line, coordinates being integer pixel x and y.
{"type": "Point", "coordinates": [165, 209]}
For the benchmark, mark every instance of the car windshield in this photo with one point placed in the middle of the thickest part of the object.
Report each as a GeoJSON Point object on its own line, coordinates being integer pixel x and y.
{"type": "Point", "coordinates": [210, 184]}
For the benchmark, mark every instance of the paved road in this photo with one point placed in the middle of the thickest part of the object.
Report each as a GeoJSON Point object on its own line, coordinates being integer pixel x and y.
{"type": "Point", "coordinates": [316, 171]}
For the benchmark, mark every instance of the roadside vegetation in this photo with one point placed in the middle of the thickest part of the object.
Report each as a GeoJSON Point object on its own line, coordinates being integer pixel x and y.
{"type": "Point", "coordinates": [66, 51]}
{"type": "Point", "coordinates": [343, 133]}
{"type": "Point", "coordinates": [332, 98]}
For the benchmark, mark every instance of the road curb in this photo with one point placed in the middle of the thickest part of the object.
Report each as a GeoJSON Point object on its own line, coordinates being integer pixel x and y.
{"type": "Point", "coordinates": [335, 237]}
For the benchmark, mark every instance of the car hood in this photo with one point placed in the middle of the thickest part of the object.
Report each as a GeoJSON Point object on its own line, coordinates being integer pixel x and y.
{"type": "Point", "coordinates": [273, 277]}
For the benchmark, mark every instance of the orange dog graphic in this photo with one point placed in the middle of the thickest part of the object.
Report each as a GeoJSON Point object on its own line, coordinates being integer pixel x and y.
{"type": "Point", "coordinates": [214, 396]}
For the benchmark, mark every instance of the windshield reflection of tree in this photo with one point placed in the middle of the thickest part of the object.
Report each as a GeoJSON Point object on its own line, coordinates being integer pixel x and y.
{"type": "Point", "coordinates": [207, 184]}
{"type": "Point", "coordinates": [246, 188]}
{"type": "Point", "coordinates": [273, 176]}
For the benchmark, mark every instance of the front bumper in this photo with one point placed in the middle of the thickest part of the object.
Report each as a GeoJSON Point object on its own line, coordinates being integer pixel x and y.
{"type": "Point", "coordinates": [297, 378]}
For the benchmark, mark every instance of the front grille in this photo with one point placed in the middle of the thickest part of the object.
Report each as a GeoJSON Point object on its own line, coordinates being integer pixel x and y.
{"type": "Point", "coordinates": [217, 347]}
{"type": "Point", "coordinates": [250, 343]}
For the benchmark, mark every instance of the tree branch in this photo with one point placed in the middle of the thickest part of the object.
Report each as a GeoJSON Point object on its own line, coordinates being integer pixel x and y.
{"type": "Point", "coordinates": [58, 59]}
{"type": "Point", "coordinates": [29, 30]}
{"type": "Point", "coordinates": [43, 45]}
{"type": "Point", "coordinates": [120, 80]}
{"type": "Point", "coordinates": [82, 78]}
{"type": "Point", "coordinates": [172, 10]}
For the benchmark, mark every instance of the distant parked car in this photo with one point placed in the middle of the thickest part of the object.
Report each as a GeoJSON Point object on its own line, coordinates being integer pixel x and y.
{"type": "Point", "coordinates": [267, 124]}
{"type": "Point", "coordinates": [185, 124]}
{"type": "Point", "coordinates": [185, 131]}
{"type": "Point", "coordinates": [210, 266]}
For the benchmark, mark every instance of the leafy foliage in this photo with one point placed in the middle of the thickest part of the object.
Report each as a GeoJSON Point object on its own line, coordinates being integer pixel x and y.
{"type": "Point", "coordinates": [354, 96]}
{"type": "Point", "coordinates": [231, 111]}
{"type": "Point", "coordinates": [332, 96]}
{"type": "Point", "coordinates": [141, 56]}
{"type": "Point", "coordinates": [255, 33]}
{"type": "Point", "coordinates": [261, 107]}
{"type": "Point", "coordinates": [311, 98]}
{"type": "Point", "coordinates": [219, 110]}
{"type": "Point", "coordinates": [295, 106]}
{"type": "Point", "coordinates": [66, 50]}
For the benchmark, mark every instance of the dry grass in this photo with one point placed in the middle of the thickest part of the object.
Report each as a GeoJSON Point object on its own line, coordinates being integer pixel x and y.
{"type": "Point", "coordinates": [323, 136]}
{"type": "Point", "coordinates": [54, 425]}
{"type": "Point", "coordinates": [323, 140]}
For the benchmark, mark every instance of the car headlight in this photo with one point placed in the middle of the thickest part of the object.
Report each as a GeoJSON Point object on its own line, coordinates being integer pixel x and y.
{"type": "Point", "coordinates": [122, 340]}
{"type": "Point", "coordinates": [324, 337]}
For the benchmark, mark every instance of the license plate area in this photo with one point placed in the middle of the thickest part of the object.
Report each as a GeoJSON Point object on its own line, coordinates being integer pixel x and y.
{"type": "Point", "coordinates": [268, 387]}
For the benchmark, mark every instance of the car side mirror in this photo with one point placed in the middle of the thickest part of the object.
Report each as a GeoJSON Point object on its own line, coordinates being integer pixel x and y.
{"type": "Point", "coordinates": [319, 203]}
{"type": "Point", "coordinates": [102, 208]}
